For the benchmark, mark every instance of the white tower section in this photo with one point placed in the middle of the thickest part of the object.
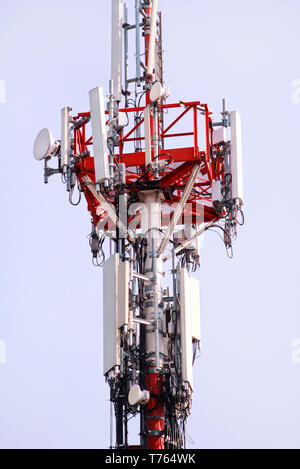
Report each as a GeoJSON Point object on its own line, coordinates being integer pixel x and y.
{"type": "Point", "coordinates": [151, 226]}
{"type": "Point", "coordinates": [116, 48]}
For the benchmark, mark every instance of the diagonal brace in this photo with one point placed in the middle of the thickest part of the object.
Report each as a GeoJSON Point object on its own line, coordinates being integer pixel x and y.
{"type": "Point", "coordinates": [110, 210]}
{"type": "Point", "coordinates": [178, 210]}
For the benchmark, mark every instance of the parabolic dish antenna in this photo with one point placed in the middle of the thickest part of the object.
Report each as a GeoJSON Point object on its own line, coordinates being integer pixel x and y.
{"type": "Point", "coordinates": [44, 145]}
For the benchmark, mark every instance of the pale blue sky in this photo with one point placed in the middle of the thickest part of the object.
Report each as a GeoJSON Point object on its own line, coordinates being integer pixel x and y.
{"type": "Point", "coordinates": [52, 393]}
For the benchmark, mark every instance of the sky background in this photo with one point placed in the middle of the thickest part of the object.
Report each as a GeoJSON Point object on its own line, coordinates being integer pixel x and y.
{"type": "Point", "coordinates": [247, 381]}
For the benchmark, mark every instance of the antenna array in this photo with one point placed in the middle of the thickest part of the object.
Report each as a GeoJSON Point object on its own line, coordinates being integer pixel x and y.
{"type": "Point", "coordinates": [148, 196]}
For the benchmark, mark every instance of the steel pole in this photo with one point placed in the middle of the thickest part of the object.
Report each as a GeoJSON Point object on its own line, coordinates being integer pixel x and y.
{"type": "Point", "coordinates": [153, 311]}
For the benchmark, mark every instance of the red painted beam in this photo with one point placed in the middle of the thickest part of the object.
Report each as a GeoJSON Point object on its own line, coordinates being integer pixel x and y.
{"type": "Point", "coordinates": [155, 412]}
{"type": "Point", "coordinates": [176, 154]}
{"type": "Point", "coordinates": [177, 174]}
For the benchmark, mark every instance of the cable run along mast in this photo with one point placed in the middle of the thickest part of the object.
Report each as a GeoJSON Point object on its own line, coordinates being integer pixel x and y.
{"type": "Point", "coordinates": [153, 200]}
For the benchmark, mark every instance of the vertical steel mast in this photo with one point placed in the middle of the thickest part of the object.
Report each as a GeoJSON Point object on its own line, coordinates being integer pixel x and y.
{"type": "Point", "coordinates": [153, 202]}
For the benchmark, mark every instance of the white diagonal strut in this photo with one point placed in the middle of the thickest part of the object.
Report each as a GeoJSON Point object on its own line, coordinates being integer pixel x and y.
{"type": "Point", "coordinates": [179, 208]}
{"type": "Point", "coordinates": [110, 210]}
{"type": "Point", "coordinates": [190, 240]}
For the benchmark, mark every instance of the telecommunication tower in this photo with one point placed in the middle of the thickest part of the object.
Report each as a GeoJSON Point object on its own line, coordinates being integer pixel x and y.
{"type": "Point", "coordinates": [152, 200]}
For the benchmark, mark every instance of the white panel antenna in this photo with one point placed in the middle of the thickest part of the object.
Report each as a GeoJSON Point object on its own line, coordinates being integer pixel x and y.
{"type": "Point", "coordinates": [148, 151]}
{"type": "Point", "coordinates": [236, 156]}
{"type": "Point", "coordinates": [65, 138]}
{"type": "Point", "coordinates": [116, 48]}
{"type": "Point", "coordinates": [111, 350]}
{"type": "Point", "coordinates": [186, 329]}
{"type": "Point", "coordinates": [195, 308]}
{"type": "Point", "coordinates": [123, 294]}
{"type": "Point", "coordinates": [99, 135]}
{"type": "Point", "coordinates": [151, 54]}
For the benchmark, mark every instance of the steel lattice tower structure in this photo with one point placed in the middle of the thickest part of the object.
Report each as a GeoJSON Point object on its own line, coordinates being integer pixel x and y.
{"type": "Point", "coordinates": [148, 196]}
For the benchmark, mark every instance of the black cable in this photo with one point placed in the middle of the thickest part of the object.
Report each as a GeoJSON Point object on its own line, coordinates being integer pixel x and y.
{"type": "Point", "coordinates": [71, 196]}
{"type": "Point", "coordinates": [227, 185]}
{"type": "Point", "coordinates": [139, 101]}
{"type": "Point", "coordinates": [142, 176]}
{"type": "Point", "coordinates": [217, 226]}
{"type": "Point", "coordinates": [228, 248]}
{"type": "Point", "coordinates": [241, 223]}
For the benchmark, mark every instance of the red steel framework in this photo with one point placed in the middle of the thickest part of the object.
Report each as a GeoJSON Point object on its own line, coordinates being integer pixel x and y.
{"type": "Point", "coordinates": [180, 162]}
